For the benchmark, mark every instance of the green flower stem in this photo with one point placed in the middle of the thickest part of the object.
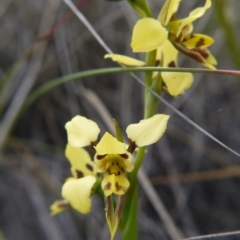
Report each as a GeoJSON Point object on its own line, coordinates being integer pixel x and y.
{"type": "Point", "coordinates": [150, 106]}
{"type": "Point", "coordinates": [128, 224]}
{"type": "Point", "coordinates": [151, 102]}
{"type": "Point", "coordinates": [150, 62]}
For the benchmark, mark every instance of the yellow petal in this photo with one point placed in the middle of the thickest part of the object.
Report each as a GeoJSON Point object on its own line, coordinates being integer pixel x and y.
{"type": "Point", "coordinates": [195, 14]}
{"type": "Point", "coordinates": [167, 54]}
{"type": "Point", "coordinates": [117, 184]}
{"type": "Point", "coordinates": [81, 131]}
{"type": "Point", "coordinates": [81, 163]}
{"type": "Point", "coordinates": [148, 131]}
{"type": "Point", "coordinates": [110, 145]}
{"type": "Point", "coordinates": [125, 60]}
{"type": "Point", "coordinates": [148, 35]}
{"type": "Point", "coordinates": [77, 193]}
{"type": "Point", "coordinates": [177, 83]}
{"type": "Point", "coordinates": [169, 8]}
{"type": "Point", "coordinates": [197, 40]}
{"type": "Point", "coordinates": [210, 58]}
{"type": "Point", "coordinates": [58, 207]}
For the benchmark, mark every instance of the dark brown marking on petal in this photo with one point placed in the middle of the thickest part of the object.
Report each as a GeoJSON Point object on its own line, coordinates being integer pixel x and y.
{"type": "Point", "coordinates": [132, 146]}
{"type": "Point", "coordinates": [93, 145]}
{"type": "Point", "coordinates": [157, 63]}
{"type": "Point", "coordinates": [124, 155]}
{"type": "Point", "coordinates": [200, 42]}
{"type": "Point", "coordinates": [119, 187]}
{"type": "Point", "coordinates": [62, 204]}
{"type": "Point", "coordinates": [79, 174]}
{"type": "Point", "coordinates": [100, 157]}
{"type": "Point", "coordinates": [89, 167]}
{"type": "Point", "coordinates": [172, 64]}
{"type": "Point", "coordinates": [107, 186]}
{"type": "Point", "coordinates": [118, 173]}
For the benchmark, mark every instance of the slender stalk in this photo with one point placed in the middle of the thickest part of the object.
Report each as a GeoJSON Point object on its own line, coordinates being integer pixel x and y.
{"type": "Point", "coordinates": [58, 81]}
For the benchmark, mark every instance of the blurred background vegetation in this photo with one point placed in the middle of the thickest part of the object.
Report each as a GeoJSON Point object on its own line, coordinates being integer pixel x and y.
{"type": "Point", "coordinates": [197, 180]}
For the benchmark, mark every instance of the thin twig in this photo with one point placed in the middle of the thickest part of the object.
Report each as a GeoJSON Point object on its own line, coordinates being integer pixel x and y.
{"type": "Point", "coordinates": [87, 25]}
{"type": "Point", "coordinates": [214, 235]}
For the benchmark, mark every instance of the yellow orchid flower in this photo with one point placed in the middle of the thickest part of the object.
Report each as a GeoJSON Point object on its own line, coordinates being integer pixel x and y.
{"type": "Point", "coordinates": [76, 190]}
{"type": "Point", "coordinates": [169, 36]}
{"type": "Point", "coordinates": [180, 32]}
{"type": "Point", "coordinates": [112, 158]}
{"type": "Point", "coordinates": [150, 34]}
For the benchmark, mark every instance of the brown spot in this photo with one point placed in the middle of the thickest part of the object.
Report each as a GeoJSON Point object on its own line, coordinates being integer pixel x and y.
{"type": "Point", "coordinates": [107, 186]}
{"type": "Point", "coordinates": [124, 155]}
{"type": "Point", "coordinates": [172, 64]}
{"type": "Point", "coordinates": [62, 204]}
{"type": "Point", "coordinates": [89, 167]}
{"type": "Point", "coordinates": [157, 63]}
{"type": "Point", "coordinates": [79, 174]}
{"type": "Point", "coordinates": [200, 42]}
{"type": "Point", "coordinates": [100, 157]}
{"type": "Point", "coordinates": [119, 188]}
{"type": "Point", "coordinates": [118, 173]}
{"type": "Point", "coordinates": [132, 146]}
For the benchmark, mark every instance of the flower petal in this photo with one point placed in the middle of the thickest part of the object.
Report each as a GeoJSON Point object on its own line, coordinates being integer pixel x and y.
{"type": "Point", "coordinates": [58, 207]}
{"type": "Point", "coordinates": [77, 193]}
{"type": "Point", "coordinates": [148, 131]}
{"type": "Point", "coordinates": [81, 131]}
{"type": "Point", "coordinates": [195, 14]}
{"type": "Point", "coordinates": [117, 184]}
{"type": "Point", "coordinates": [148, 35]}
{"type": "Point", "coordinates": [128, 61]}
{"type": "Point", "coordinates": [168, 10]}
{"type": "Point", "coordinates": [110, 145]}
{"type": "Point", "coordinates": [197, 41]}
{"type": "Point", "coordinates": [176, 82]}
{"type": "Point", "coordinates": [81, 163]}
